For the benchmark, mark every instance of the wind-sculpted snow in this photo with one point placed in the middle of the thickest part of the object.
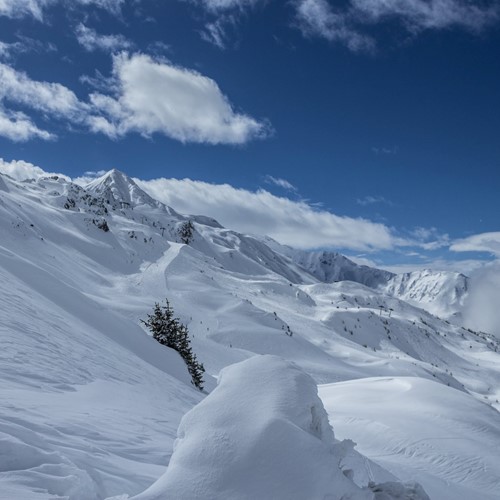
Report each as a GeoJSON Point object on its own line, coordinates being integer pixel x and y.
{"type": "Point", "coordinates": [263, 433]}
{"type": "Point", "coordinates": [418, 429]}
{"type": "Point", "coordinates": [88, 395]}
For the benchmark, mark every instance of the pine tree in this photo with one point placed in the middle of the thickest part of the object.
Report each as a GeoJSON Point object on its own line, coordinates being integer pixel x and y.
{"type": "Point", "coordinates": [185, 232]}
{"type": "Point", "coordinates": [169, 331]}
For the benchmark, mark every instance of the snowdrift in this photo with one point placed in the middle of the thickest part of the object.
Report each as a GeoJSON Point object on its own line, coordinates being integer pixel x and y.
{"type": "Point", "coordinates": [262, 434]}
{"type": "Point", "coordinates": [445, 439]}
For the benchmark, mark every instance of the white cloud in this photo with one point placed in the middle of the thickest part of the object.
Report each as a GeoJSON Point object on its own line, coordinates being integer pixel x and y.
{"type": "Point", "coordinates": [370, 200]}
{"type": "Point", "coordinates": [290, 222]}
{"type": "Point", "coordinates": [348, 24]}
{"type": "Point", "coordinates": [17, 127]}
{"type": "Point", "coordinates": [21, 170]}
{"type": "Point", "coordinates": [155, 96]}
{"type": "Point", "coordinates": [52, 98]}
{"type": "Point", "coordinates": [24, 44]}
{"type": "Point", "coordinates": [317, 18]}
{"type": "Point", "coordinates": [282, 183]}
{"type": "Point", "coordinates": [148, 96]}
{"type": "Point", "coordinates": [21, 8]}
{"type": "Point", "coordinates": [90, 40]}
{"type": "Point", "coordinates": [224, 5]}
{"type": "Point", "coordinates": [36, 8]}
{"type": "Point", "coordinates": [88, 176]}
{"type": "Point", "coordinates": [215, 32]}
{"type": "Point", "coordinates": [385, 150]}
{"type": "Point", "coordinates": [417, 15]}
{"type": "Point", "coordinates": [484, 242]}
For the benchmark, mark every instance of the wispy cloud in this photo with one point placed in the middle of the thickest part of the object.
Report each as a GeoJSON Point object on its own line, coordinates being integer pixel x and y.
{"type": "Point", "coordinates": [282, 183]}
{"type": "Point", "coordinates": [371, 200]}
{"type": "Point", "coordinates": [24, 44]}
{"type": "Point", "coordinates": [37, 8]}
{"type": "Point", "coordinates": [90, 40]}
{"type": "Point", "coordinates": [428, 238]}
{"type": "Point", "coordinates": [385, 150]}
{"type": "Point", "coordinates": [225, 5]}
{"type": "Point", "coordinates": [318, 18]}
{"type": "Point", "coordinates": [215, 32]}
{"type": "Point", "coordinates": [483, 242]}
{"type": "Point", "coordinates": [348, 24]}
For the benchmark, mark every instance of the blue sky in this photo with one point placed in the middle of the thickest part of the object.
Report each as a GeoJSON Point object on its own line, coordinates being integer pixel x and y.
{"type": "Point", "coordinates": [367, 126]}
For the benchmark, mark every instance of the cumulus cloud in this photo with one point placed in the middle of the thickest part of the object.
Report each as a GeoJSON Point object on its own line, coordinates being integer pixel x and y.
{"type": "Point", "coordinates": [484, 242]}
{"type": "Point", "coordinates": [21, 170]}
{"type": "Point", "coordinates": [145, 96]}
{"type": "Point", "coordinates": [155, 96]}
{"type": "Point", "coordinates": [90, 40]}
{"type": "Point", "coordinates": [290, 222]}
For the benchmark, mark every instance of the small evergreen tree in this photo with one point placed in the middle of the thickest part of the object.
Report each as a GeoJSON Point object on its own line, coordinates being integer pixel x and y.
{"type": "Point", "coordinates": [185, 232]}
{"type": "Point", "coordinates": [169, 331]}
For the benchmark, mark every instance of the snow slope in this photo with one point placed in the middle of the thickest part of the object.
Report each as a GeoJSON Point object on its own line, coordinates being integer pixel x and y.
{"type": "Point", "coordinates": [441, 293]}
{"type": "Point", "coordinates": [244, 443]}
{"type": "Point", "coordinates": [92, 398]}
{"type": "Point", "coordinates": [330, 267]}
{"type": "Point", "coordinates": [418, 429]}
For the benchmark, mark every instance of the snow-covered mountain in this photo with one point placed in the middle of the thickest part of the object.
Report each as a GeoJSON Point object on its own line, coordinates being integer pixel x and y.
{"type": "Point", "coordinates": [90, 396]}
{"type": "Point", "coordinates": [331, 267]}
{"type": "Point", "coordinates": [441, 293]}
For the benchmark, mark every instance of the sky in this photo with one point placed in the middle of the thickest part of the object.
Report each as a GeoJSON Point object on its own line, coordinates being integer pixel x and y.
{"type": "Point", "coordinates": [365, 126]}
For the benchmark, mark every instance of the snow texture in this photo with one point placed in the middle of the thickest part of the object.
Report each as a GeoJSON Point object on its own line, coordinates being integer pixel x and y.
{"type": "Point", "coordinates": [91, 404]}
{"type": "Point", "coordinates": [244, 443]}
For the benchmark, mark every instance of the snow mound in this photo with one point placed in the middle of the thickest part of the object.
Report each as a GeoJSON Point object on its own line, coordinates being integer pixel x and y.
{"type": "Point", "coordinates": [262, 433]}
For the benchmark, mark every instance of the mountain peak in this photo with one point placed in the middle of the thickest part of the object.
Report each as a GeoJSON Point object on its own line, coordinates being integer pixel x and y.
{"type": "Point", "coordinates": [121, 188]}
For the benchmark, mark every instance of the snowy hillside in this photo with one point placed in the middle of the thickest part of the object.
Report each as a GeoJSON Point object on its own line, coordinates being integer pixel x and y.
{"type": "Point", "coordinates": [91, 397]}
{"type": "Point", "coordinates": [441, 293]}
{"type": "Point", "coordinates": [330, 267]}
